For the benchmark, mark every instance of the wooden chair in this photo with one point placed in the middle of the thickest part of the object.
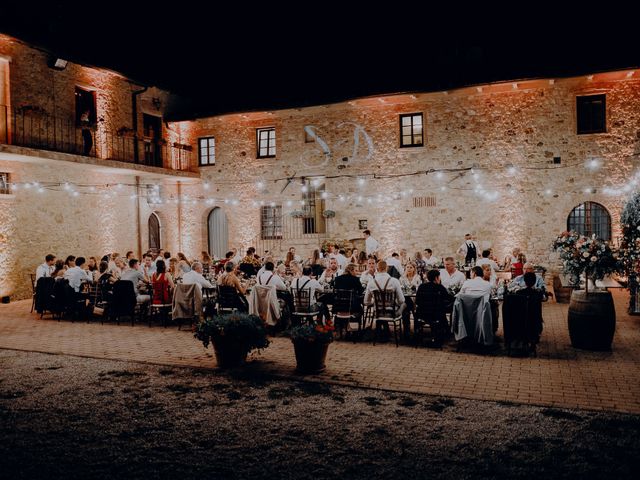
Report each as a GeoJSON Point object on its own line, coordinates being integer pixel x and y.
{"type": "Point", "coordinates": [343, 314]}
{"type": "Point", "coordinates": [522, 322]}
{"type": "Point", "coordinates": [227, 299]}
{"type": "Point", "coordinates": [302, 307]}
{"type": "Point", "coordinates": [33, 290]}
{"type": "Point", "coordinates": [386, 313]}
{"type": "Point", "coordinates": [431, 313]}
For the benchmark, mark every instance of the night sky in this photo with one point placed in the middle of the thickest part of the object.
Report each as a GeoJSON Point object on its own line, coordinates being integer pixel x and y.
{"type": "Point", "coordinates": [241, 57]}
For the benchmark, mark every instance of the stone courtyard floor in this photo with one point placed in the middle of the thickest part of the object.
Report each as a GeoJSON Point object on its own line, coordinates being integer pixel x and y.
{"type": "Point", "coordinates": [560, 376]}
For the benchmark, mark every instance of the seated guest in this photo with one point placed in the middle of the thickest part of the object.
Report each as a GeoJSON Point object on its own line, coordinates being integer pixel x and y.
{"type": "Point", "coordinates": [173, 267]}
{"type": "Point", "coordinates": [269, 278]}
{"type": "Point", "coordinates": [230, 279]}
{"type": "Point", "coordinates": [341, 259]}
{"type": "Point", "coordinates": [349, 281]}
{"type": "Point", "coordinates": [287, 262]}
{"type": "Point", "coordinates": [112, 260]}
{"type": "Point", "coordinates": [58, 269]}
{"type": "Point", "coordinates": [128, 256]}
{"type": "Point", "coordinates": [250, 264]}
{"type": "Point", "coordinates": [404, 258]}
{"type": "Point", "coordinates": [148, 266]}
{"type": "Point", "coordinates": [384, 281]}
{"type": "Point", "coordinates": [485, 260]}
{"type": "Point", "coordinates": [296, 258]}
{"type": "Point", "coordinates": [489, 275]}
{"type": "Point", "coordinates": [429, 259]}
{"type": "Point", "coordinates": [70, 262]}
{"type": "Point", "coordinates": [353, 258]}
{"type": "Point", "coordinates": [268, 258]}
{"type": "Point", "coordinates": [362, 258]}
{"type": "Point", "coordinates": [305, 282]}
{"type": "Point", "coordinates": [517, 268]}
{"type": "Point", "coordinates": [421, 265]}
{"type": "Point", "coordinates": [511, 259]}
{"type": "Point", "coordinates": [47, 268]}
{"type": "Point", "coordinates": [450, 275]}
{"type": "Point", "coordinates": [330, 274]}
{"type": "Point", "coordinates": [182, 257]}
{"type": "Point", "coordinates": [206, 261]}
{"type": "Point", "coordinates": [78, 273]}
{"type": "Point", "coordinates": [518, 282]}
{"type": "Point", "coordinates": [93, 266]}
{"type": "Point", "coordinates": [433, 285]}
{"type": "Point", "coordinates": [410, 280]}
{"type": "Point", "coordinates": [181, 268]}
{"type": "Point", "coordinates": [316, 263]}
{"type": "Point", "coordinates": [194, 276]}
{"type": "Point", "coordinates": [476, 284]}
{"type": "Point", "coordinates": [369, 274]}
{"type": "Point", "coordinates": [119, 268]}
{"type": "Point", "coordinates": [394, 261]}
{"type": "Point", "coordinates": [134, 275]}
{"type": "Point", "coordinates": [104, 275]}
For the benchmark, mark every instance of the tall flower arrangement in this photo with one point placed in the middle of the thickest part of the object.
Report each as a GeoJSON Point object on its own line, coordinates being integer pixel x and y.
{"type": "Point", "coordinates": [590, 256]}
{"type": "Point", "coordinates": [630, 245]}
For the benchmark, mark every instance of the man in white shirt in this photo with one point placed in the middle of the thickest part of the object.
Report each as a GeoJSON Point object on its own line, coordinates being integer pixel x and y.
{"type": "Point", "coordinates": [78, 274]}
{"type": "Point", "coordinates": [194, 277]}
{"type": "Point", "coordinates": [46, 268]}
{"type": "Point", "coordinates": [342, 259]}
{"type": "Point", "coordinates": [269, 278]}
{"type": "Point", "coordinates": [331, 272]}
{"type": "Point", "coordinates": [469, 249]}
{"type": "Point", "coordinates": [449, 275]}
{"type": "Point", "coordinates": [268, 258]}
{"type": "Point", "coordinates": [237, 258]}
{"type": "Point", "coordinates": [384, 281]}
{"type": "Point", "coordinates": [394, 261]}
{"type": "Point", "coordinates": [518, 282]}
{"type": "Point", "coordinates": [369, 274]}
{"type": "Point", "coordinates": [476, 284]}
{"type": "Point", "coordinates": [148, 267]}
{"type": "Point", "coordinates": [371, 244]}
{"type": "Point", "coordinates": [429, 259]}
{"type": "Point", "coordinates": [485, 260]}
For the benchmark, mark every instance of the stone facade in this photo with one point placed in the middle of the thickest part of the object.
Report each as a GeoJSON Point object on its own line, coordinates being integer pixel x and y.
{"type": "Point", "coordinates": [45, 217]}
{"type": "Point", "coordinates": [427, 196]}
{"type": "Point", "coordinates": [510, 133]}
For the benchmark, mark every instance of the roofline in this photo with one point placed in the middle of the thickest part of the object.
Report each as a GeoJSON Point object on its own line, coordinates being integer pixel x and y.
{"type": "Point", "coordinates": [196, 116]}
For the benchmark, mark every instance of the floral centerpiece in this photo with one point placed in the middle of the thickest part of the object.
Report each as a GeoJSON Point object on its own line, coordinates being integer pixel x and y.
{"type": "Point", "coordinates": [455, 288]}
{"type": "Point", "coordinates": [310, 344]}
{"type": "Point", "coordinates": [590, 256]}
{"type": "Point", "coordinates": [630, 247]}
{"type": "Point", "coordinates": [328, 213]}
{"type": "Point", "coordinates": [297, 214]}
{"type": "Point", "coordinates": [233, 336]}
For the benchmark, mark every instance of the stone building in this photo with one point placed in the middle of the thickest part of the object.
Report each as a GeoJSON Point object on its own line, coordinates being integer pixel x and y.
{"type": "Point", "coordinates": [514, 163]}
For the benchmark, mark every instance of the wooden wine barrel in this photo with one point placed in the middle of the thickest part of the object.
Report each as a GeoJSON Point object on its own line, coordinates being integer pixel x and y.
{"type": "Point", "coordinates": [563, 294]}
{"type": "Point", "coordinates": [592, 320]}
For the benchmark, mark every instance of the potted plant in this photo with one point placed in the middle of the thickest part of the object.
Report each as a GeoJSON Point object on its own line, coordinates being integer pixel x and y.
{"type": "Point", "coordinates": [328, 213]}
{"type": "Point", "coordinates": [630, 249]}
{"type": "Point", "coordinates": [233, 336]}
{"type": "Point", "coordinates": [310, 343]}
{"type": "Point", "coordinates": [592, 317]}
{"type": "Point", "coordinates": [297, 214]}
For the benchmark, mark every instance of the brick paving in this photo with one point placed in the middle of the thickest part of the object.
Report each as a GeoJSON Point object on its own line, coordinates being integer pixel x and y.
{"type": "Point", "coordinates": [560, 376]}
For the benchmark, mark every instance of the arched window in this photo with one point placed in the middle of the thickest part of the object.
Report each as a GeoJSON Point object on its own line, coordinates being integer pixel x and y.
{"type": "Point", "coordinates": [154, 232]}
{"type": "Point", "coordinates": [589, 218]}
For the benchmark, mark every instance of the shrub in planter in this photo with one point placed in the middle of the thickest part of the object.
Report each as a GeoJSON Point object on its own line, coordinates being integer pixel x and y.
{"type": "Point", "coordinates": [233, 336]}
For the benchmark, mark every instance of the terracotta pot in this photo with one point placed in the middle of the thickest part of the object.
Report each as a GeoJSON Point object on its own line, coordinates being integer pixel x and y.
{"type": "Point", "coordinates": [592, 320]}
{"type": "Point", "coordinates": [310, 356]}
{"type": "Point", "coordinates": [229, 354]}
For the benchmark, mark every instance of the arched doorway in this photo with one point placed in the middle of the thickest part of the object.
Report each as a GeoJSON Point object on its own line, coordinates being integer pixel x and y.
{"type": "Point", "coordinates": [154, 232]}
{"type": "Point", "coordinates": [218, 233]}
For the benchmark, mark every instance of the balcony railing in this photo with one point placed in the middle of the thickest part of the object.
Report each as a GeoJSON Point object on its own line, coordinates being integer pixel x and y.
{"type": "Point", "coordinates": [281, 231]}
{"type": "Point", "coordinates": [31, 127]}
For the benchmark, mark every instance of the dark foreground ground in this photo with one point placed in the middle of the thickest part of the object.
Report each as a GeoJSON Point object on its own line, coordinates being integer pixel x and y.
{"type": "Point", "coordinates": [68, 417]}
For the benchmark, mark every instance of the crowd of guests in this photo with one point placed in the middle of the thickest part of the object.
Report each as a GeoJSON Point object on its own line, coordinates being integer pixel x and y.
{"type": "Point", "coordinates": [362, 272]}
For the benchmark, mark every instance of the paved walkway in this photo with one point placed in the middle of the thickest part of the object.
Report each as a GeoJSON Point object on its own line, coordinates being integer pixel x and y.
{"type": "Point", "coordinates": [560, 376]}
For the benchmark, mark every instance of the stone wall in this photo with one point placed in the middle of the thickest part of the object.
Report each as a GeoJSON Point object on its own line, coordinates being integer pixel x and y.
{"type": "Point", "coordinates": [524, 125]}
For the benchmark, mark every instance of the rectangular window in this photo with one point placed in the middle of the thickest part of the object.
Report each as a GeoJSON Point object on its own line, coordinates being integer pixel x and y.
{"type": "Point", "coordinates": [85, 102]}
{"type": "Point", "coordinates": [591, 114]}
{"type": "Point", "coordinates": [207, 151]}
{"type": "Point", "coordinates": [271, 222]}
{"type": "Point", "coordinates": [266, 142]}
{"type": "Point", "coordinates": [411, 132]}
{"type": "Point", "coordinates": [5, 185]}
